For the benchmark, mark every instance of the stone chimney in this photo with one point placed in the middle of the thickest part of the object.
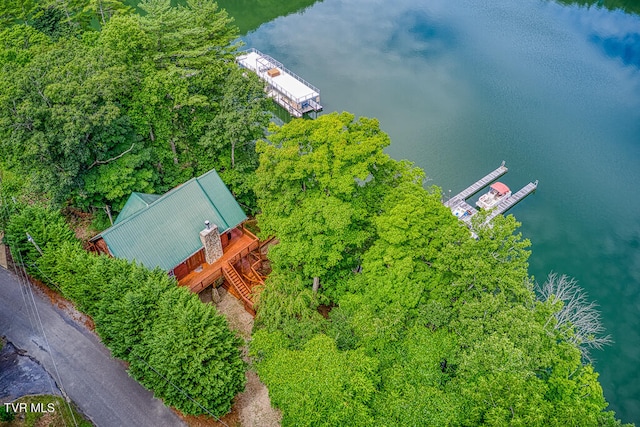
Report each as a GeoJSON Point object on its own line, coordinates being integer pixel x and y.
{"type": "Point", "coordinates": [210, 238]}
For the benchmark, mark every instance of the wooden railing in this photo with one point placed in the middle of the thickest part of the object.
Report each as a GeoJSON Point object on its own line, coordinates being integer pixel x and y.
{"type": "Point", "coordinates": [234, 279]}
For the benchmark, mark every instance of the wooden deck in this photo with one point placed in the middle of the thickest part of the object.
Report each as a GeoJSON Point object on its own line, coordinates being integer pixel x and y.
{"type": "Point", "coordinates": [239, 247]}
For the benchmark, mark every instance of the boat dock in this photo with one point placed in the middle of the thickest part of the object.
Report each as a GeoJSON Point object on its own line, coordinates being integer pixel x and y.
{"type": "Point", "coordinates": [508, 203]}
{"type": "Point", "coordinates": [476, 186]}
{"type": "Point", "coordinates": [463, 211]}
{"type": "Point", "coordinates": [291, 92]}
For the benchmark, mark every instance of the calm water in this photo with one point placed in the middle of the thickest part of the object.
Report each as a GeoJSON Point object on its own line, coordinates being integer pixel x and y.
{"type": "Point", "coordinates": [460, 86]}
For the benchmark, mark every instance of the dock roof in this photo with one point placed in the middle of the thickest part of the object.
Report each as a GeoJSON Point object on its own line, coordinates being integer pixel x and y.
{"type": "Point", "coordinates": [500, 187]}
{"type": "Point", "coordinates": [286, 81]}
{"type": "Point", "coordinates": [165, 231]}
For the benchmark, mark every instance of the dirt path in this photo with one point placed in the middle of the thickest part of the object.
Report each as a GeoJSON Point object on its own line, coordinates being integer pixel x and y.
{"type": "Point", "coordinates": [252, 408]}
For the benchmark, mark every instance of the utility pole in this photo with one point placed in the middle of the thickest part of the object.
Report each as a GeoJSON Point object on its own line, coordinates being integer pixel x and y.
{"type": "Point", "coordinates": [30, 239]}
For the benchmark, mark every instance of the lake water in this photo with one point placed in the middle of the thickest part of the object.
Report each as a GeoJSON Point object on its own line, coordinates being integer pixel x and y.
{"type": "Point", "coordinates": [460, 86]}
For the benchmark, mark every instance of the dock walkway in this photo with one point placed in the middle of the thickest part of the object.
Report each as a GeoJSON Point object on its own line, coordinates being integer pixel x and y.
{"type": "Point", "coordinates": [509, 202]}
{"type": "Point", "coordinates": [464, 212]}
{"type": "Point", "coordinates": [290, 91]}
{"type": "Point", "coordinates": [476, 186]}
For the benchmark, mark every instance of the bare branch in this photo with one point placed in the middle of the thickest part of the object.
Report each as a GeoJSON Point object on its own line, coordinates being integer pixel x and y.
{"type": "Point", "coordinates": [576, 318]}
{"type": "Point", "coordinates": [103, 162]}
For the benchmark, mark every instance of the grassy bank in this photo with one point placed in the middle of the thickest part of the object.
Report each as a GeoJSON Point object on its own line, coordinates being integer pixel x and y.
{"type": "Point", "coordinates": [51, 411]}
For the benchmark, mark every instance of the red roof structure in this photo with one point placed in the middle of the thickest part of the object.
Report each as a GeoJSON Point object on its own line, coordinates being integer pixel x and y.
{"type": "Point", "coordinates": [500, 188]}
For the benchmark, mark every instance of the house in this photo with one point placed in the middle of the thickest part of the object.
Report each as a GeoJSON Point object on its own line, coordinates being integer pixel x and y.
{"type": "Point", "coordinates": [195, 232]}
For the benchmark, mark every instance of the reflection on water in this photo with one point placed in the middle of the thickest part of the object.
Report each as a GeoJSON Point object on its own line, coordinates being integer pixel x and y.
{"type": "Point", "coordinates": [261, 11]}
{"type": "Point", "coordinates": [628, 6]}
{"type": "Point", "coordinates": [460, 86]}
{"type": "Point", "coordinates": [250, 14]}
{"type": "Point", "coordinates": [626, 47]}
{"type": "Point", "coordinates": [614, 33]}
{"type": "Point", "coordinates": [416, 34]}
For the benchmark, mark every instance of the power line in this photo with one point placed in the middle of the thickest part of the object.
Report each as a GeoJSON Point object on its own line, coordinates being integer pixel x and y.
{"type": "Point", "coordinates": [177, 388]}
{"type": "Point", "coordinates": [44, 335]}
{"type": "Point", "coordinates": [49, 279]}
{"type": "Point", "coordinates": [25, 290]}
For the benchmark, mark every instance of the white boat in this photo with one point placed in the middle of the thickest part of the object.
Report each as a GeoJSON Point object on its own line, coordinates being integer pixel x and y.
{"type": "Point", "coordinates": [497, 193]}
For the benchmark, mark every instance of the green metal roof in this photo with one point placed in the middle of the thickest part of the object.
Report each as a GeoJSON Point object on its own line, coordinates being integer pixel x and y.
{"type": "Point", "coordinates": [136, 202]}
{"type": "Point", "coordinates": [165, 232]}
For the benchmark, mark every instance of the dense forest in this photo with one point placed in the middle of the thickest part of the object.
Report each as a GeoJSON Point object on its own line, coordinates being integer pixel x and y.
{"type": "Point", "coordinates": [142, 103]}
{"type": "Point", "coordinates": [381, 308]}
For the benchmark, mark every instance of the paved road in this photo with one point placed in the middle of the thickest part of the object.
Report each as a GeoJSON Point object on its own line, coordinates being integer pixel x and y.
{"type": "Point", "coordinates": [75, 358]}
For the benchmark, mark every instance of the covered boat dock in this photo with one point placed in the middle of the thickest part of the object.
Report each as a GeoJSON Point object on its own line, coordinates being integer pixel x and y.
{"type": "Point", "coordinates": [290, 91]}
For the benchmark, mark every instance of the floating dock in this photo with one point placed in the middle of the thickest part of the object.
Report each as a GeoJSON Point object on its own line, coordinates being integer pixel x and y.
{"type": "Point", "coordinates": [476, 186]}
{"type": "Point", "coordinates": [461, 209]}
{"type": "Point", "coordinates": [509, 202]}
{"type": "Point", "coordinates": [293, 93]}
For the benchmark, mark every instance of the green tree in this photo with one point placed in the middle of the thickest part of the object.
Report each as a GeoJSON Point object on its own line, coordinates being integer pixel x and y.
{"type": "Point", "coordinates": [104, 10]}
{"type": "Point", "coordinates": [497, 261]}
{"type": "Point", "coordinates": [191, 350]}
{"type": "Point", "coordinates": [414, 376]}
{"type": "Point", "coordinates": [47, 228]}
{"type": "Point", "coordinates": [318, 385]}
{"type": "Point", "coordinates": [242, 117]}
{"type": "Point", "coordinates": [191, 54]}
{"type": "Point", "coordinates": [63, 116]}
{"type": "Point", "coordinates": [315, 184]}
{"type": "Point", "coordinates": [413, 229]}
{"type": "Point", "coordinates": [18, 45]}
{"type": "Point", "coordinates": [15, 11]}
{"type": "Point", "coordinates": [143, 104]}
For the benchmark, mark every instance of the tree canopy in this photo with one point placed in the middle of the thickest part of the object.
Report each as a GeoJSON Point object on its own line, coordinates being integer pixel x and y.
{"type": "Point", "coordinates": [137, 103]}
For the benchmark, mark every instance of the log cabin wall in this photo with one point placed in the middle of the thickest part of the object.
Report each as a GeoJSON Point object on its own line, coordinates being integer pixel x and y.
{"type": "Point", "coordinates": [99, 246]}
{"type": "Point", "coordinates": [190, 264]}
{"type": "Point", "coordinates": [225, 238]}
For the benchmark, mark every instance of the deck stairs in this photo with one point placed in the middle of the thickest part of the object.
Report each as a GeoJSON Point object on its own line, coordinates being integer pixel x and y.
{"type": "Point", "coordinates": [239, 285]}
